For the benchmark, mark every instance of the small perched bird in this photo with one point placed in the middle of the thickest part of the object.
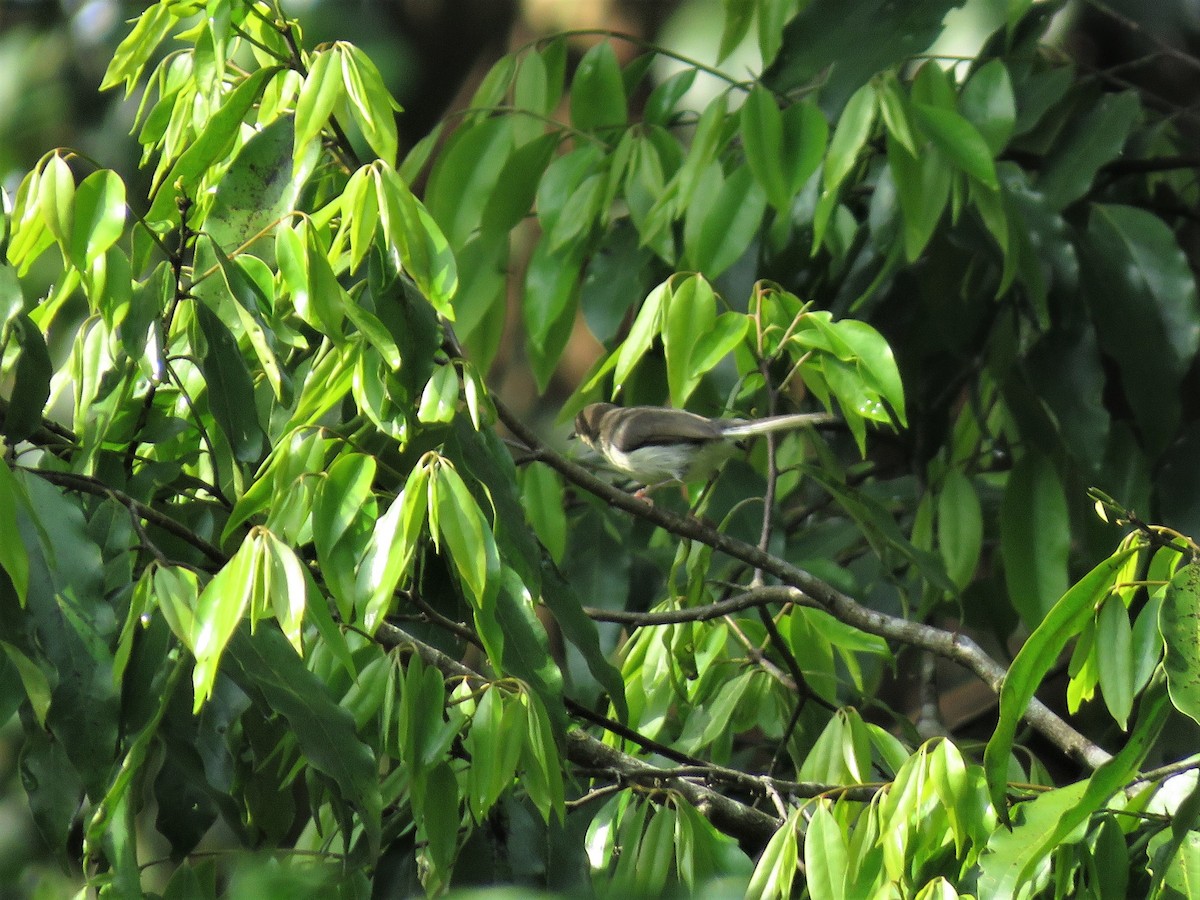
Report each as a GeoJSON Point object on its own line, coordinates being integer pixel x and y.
{"type": "Point", "coordinates": [655, 444]}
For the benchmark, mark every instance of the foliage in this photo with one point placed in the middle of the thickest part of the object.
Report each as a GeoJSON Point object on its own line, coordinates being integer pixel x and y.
{"type": "Point", "coordinates": [268, 562]}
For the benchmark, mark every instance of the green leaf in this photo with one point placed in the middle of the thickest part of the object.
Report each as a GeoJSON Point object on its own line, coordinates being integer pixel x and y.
{"type": "Point", "coordinates": [542, 498]}
{"type": "Point", "coordinates": [258, 189]}
{"type": "Point", "coordinates": [959, 527]}
{"type": "Point", "coordinates": [1115, 635]}
{"type": "Point", "coordinates": [1043, 836]}
{"type": "Point", "coordinates": [99, 217]}
{"type": "Point", "coordinates": [1035, 537]}
{"type": "Point", "coordinates": [219, 610]}
{"type": "Point", "coordinates": [517, 183]}
{"type": "Point", "coordinates": [845, 45]}
{"type": "Point", "coordinates": [214, 143]}
{"type": "Point", "coordinates": [1094, 136]}
{"type": "Point", "coordinates": [370, 103]}
{"type": "Point", "coordinates": [691, 312]}
{"type": "Point", "coordinates": [467, 537]}
{"type": "Point", "coordinates": [14, 558]}
{"type": "Point", "coordinates": [598, 91]}
{"type": "Point", "coordinates": [391, 548]}
{"type": "Point", "coordinates": [825, 855]}
{"type": "Point", "coordinates": [31, 381]}
{"type": "Point", "coordinates": [923, 187]}
{"type": "Point", "coordinates": [776, 868]}
{"type": "Point", "coordinates": [660, 107]}
{"type": "Point", "coordinates": [439, 401]}
{"type": "Point", "coordinates": [55, 200]}
{"type": "Point", "coordinates": [1179, 620]}
{"type": "Point", "coordinates": [229, 387]}
{"type": "Point", "coordinates": [723, 220]}
{"type": "Point", "coordinates": [135, 50]}
{"type": "Point", "coordinates": [275, 678]}
{"type": "Point", "coordinates": [321, 90]}
{"type": "Point", "coordinates": [805, 135]}
{"type": "Point", "coordinates": [959, 140]}
{"type": "Point", "coordinates": [1147, 312]}
{"type": "Point", "coordinates": [987, 102]}
{"type": "Point", "coordinates": [466, 175]}
{"type": "Point", "coordinates": [1062, 623]}
{"type": "Point", "coordinates": [762, 141]}
{"type": "Point", "coordinates": [551, 300]}
{"type": "Point", "coordinates": [853, 128]}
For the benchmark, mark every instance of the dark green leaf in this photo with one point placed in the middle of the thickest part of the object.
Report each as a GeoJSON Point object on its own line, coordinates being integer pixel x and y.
{"type": "Point", "coordinates": [853, 43]}
{"type": "Point", "coordinates": [268, 670]}
{"type": "Point", "coordinates": [31, 381]}
{"type": "Point", "coordinates": [229, 387]}
{"type": "Point", "coordinates": [1035, 537]}
{"type": "Point", "coordinates": [1094, 136]}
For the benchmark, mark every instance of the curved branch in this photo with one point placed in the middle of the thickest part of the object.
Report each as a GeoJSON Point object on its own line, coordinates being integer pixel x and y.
{"type": "Point", "coordinates": [956, 647]}
{"type": "Point", "coordinates": [82, 483]}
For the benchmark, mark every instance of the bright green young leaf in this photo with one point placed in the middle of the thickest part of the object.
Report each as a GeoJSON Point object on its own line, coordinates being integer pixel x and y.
{"type": "Point", "coordinates": [219, 610]}
{"type": "Point", "coordinates": [466, 536]}
{"type": "Point", "coordinates": [211, 145]}
{"type": "Point", "coordinates": [392, 547]}
{"type": "Point", "coordinates": [99, 216]}
{"type": "Point", "coordinates": [690, 315]}
{"type": "Point", "coordinates": [1062, 623]}
{"type": "Point", "coordinates": [56, 200]}
{"type": "Point", "coordinates": [370, 103]}
{"type": "Point", "coordinates": [323, 86]}
{"type": "Point", "coordinates": [136, 48]}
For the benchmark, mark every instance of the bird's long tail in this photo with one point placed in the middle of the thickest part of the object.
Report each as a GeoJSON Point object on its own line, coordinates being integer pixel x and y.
{"type": "Point", "coordinates": [751, 427]}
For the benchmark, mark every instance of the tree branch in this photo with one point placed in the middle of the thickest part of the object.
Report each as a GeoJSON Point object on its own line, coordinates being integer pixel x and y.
{"type": "Point", "coordinates": [957, 647]}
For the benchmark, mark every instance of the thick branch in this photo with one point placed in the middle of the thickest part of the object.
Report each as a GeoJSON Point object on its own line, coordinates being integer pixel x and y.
{"type": "Point", "coordinates": [956, 647]}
